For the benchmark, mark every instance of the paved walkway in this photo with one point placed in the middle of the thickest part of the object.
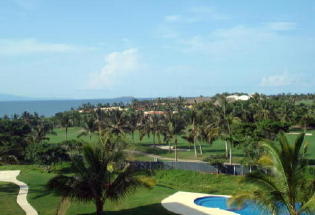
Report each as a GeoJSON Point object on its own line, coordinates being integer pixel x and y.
{"type": "Point", "coordinates": [163, 158]}
{"type": "Point", "coordinates": [183, 203]}
{"type": "Point", "coordinates": [10, 176]}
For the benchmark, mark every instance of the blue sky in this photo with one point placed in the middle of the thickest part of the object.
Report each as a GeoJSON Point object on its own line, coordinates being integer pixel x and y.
{"type": "Point", "coordinates": [150, 48]}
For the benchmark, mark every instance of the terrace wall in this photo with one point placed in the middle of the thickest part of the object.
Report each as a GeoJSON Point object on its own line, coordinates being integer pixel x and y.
{"type": "Point", "coordinates": [194, 166]}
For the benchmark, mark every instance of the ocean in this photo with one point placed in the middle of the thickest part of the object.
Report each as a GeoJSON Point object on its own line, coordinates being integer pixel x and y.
{"type": "Point", "coordinates": [51, 107]}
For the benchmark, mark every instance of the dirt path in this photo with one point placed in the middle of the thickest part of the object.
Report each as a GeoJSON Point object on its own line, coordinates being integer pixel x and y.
{"type": "Point", "coordinates": [163, 158]}
{"type": "Point", "coordinates": [10, 176]}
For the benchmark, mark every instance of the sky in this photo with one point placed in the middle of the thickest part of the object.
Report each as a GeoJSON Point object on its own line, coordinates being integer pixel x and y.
{"type": "Point", "coordinates": [149, 48]}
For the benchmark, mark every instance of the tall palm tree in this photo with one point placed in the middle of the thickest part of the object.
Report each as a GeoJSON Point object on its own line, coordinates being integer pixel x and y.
{"type": "Point", "coordinates": [89, 127]}
{"type": "Point", "coordinates": [192, 132]}
{"type": "Point", "coordinates": [66, 122]}
{"type": "Point", "coordinates": [155, 127]}
{"type": "Point", "coordinates": [134, 118]}
{"type": "Point", "coordinates": [99, 175]}
{"type": "Point", "coordinates": [175, 126]}
{"type": "Point", "coordinates": [307, 117]}
{"type": "Point", "coordinates": [285, 188]}
{"type": "Point", "coordinates": [116, 122]}
{"type": "Point", "coordinates": [39, 131]}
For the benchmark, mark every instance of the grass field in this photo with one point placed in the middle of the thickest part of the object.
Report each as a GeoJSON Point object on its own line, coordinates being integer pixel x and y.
{"type": "Point", "coordinates": [218, 147]}
{"type": "Point", "coordinates": [305, 101]}
{"type": "Point", "coordinates": [8, 205]}
{"type": "Point", "coordinates": [142, 202]}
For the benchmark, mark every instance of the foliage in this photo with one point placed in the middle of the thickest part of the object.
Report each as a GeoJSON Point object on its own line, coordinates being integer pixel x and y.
{"type": "Point", "coordinates": [99, 175]}
{"type": "Point", "coordinates": [46, 154]}
{"type": "Point", "coordinates": [285, 185]}
{"type": "Point", "coordinates": [13, 137]}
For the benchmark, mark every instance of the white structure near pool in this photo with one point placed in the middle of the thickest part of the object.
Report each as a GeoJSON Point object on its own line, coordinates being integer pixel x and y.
{"type": "Point", "coordinates": [184, 203]}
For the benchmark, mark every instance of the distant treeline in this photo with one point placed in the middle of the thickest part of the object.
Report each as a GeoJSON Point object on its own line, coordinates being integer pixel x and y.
{"type": "Point", "coordinates": [239, 123]}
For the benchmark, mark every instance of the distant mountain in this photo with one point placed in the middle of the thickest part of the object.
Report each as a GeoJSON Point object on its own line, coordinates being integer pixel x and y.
{"type": "Point", "coordinates": [48, 107]}
{"type": "Point", "coordinates": [8, 97]}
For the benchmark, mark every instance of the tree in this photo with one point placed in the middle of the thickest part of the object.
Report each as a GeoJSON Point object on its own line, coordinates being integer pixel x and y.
{"type": "Point", "coordinates": [14, 137]}
{"type": "Point", "coordinates": [226, 122]}
{"type": "Point", "coordinates": [116, 122]}
{"type": "Point", "coordinates": [66, 122]}
{"type": "Point", "coordinates": [99, 175]}
{"type": "Point", "coordinates": [285, 185]}
{"type": "Point", "coordinates": [192, 132]}
{"type": "Point", "coordinates": [175, 127]}
{"type": "Point", "coordinates": [40, 130]}
{"type": "Point", "coordinates": [88, 128]}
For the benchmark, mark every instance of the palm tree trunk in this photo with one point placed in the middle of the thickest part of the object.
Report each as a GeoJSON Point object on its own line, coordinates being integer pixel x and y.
{"type": "Point", "coordinates": [63, 206]}
{"type": "Point", "coordinates": [175, 149]}
{"type": "Point", "coordinates": [169, 147]}
{"type": "Point", "coordinates": [230, 153]}
{"type": "Point", "coordinates": [195, 148]}
{"type": "Point", "coordinates": [304, 127]}
{"type": "Point", "coordinates": [99, 206]}
{"type": "Point", "coordinates": [200, 149]}
{"type": "Point", "coordinates": [226, 150]}
{"type": "Point", "coordinates": [133, 136]}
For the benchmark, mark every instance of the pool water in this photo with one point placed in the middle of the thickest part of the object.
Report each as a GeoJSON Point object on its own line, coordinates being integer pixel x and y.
{"type": "Point", "coordinates": [222, 203]}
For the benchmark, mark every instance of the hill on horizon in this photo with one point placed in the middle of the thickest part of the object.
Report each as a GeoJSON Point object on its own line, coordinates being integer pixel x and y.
{"type": "Point", "coordinates": [12, 98]}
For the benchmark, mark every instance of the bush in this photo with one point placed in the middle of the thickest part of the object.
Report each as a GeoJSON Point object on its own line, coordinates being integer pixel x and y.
{"type": "Point", "coordinates": [46, 154]}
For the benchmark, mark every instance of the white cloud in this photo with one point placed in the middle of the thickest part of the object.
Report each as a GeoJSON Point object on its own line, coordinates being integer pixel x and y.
{"type": "Point", "coordinates": [166, 32]}
{"type": "Point", "coordinates": [172, 18]}
{"type": "Point", "coordinates": [31, 46]}
{"type": "Point", "coordinates": [281, 26]}
{"type": "Point", "coordinates": [205, 13]}
{"type": "Point", "coordinates": [117, 65]}
{"type": "Point", "coordinates": [27, 4]}
{"type": "Point", "coordinates": [238, 40]}
{"type": "Point", "coordinates": [226, 42]}
{"type": "Point", "coordinates": [279, 80]}
{"type": "Point", "coordinates": [196, 14]}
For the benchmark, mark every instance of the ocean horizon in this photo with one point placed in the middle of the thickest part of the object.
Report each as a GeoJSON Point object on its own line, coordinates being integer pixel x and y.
{"type": "Point", "coordinates": [51, 107]}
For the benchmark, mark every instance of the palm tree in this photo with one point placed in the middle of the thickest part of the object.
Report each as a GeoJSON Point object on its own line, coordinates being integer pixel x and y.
{"type": "Point", "coordinates": [66, 122]}
{"type": "Point", "coordinates": [307, 117]}
{"type": "Point", "coordinates": [116, 122]}
{"type": "Point", "coordinates": [134, 118]}
{"type": "Point", "coordinates": [39, 131]}
{"type": "Point", "coordinates": [192, 133]}
{"type": "Point", "coordinates": [155, 127]}
{"type": "Point", "coordinates": [285, 187]}
{"type": "Point", "coordinates": [100, 174]}
{"type": "Point", "coordinates": [174, 128]}
{"type": "Point", "coordinates": [88, 128]}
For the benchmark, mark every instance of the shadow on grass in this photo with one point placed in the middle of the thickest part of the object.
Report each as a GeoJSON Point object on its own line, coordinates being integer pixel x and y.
{"type": "Point", "coordinates": [64, 170]}
{"type": "Point", "coordinates": [164, 186]}
{"type": "Point", "coordinates": [222, 151]}
{"type": "Point", "coordinates": [9, 189]}
{"type": "Point", "coordinates": [153, 150]}
{"type": "Point", "coordinates": [40, 191]}
{"type": "Point", "coordinates": [153, 209]}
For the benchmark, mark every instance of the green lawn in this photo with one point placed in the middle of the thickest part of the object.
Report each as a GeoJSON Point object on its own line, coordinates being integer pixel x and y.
{"type": "Point", "coordinates": [305, 101]}
{"type": "Point", "coordinates": [73, 133]}
{"type": "Point", "coordinates": [141, 202]}
{"type": "Point", "coordinates": [8, 205]}
{"type": "Point", "coordinates": [218, 147]}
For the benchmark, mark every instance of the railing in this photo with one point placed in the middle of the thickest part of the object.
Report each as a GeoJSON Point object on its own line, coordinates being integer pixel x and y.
{"type": "Point", "coordinates": [233, 169]}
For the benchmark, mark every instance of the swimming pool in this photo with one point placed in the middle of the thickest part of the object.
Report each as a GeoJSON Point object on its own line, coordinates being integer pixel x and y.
{"type": "Point", "coordinates": [222, 203]}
